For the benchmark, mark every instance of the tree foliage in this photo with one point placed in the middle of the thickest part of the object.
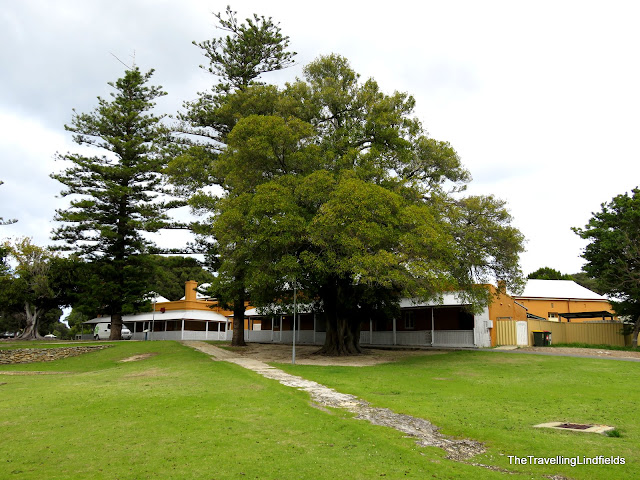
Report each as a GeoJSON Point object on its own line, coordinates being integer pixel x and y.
{"type": "Point", "coordinates": [170, 274]}
{"type": "Point", "coordinates": [613, 253]}
{"type": "Point", "coordinates": [116, 197]}
{"type": "Point", "coordinates": [75, 319]}
{"type": "Point", "coordinates": [548, 273]}
{"type": "Point", "coordinates": [583, 279]}
{"type": "Point", "coordinates": [248, 50]}
{"type": "Point", "coordinates": [360, 209]}
{"type": "Point", "coordinates": [31, 289]}
{"type": "Point", "coordinates": [334, 186]}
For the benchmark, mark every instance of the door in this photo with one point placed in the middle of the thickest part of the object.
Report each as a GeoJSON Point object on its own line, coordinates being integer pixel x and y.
{"type": "Point", "coordinates": [522, 334]}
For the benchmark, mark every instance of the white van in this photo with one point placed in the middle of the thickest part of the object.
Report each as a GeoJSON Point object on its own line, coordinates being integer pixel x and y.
{"type": "Point", "coordinates": [103, 332]}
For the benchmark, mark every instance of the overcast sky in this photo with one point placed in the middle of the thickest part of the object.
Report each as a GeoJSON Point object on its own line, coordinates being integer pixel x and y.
{"type": "Point", "coordinates": [540, 99]}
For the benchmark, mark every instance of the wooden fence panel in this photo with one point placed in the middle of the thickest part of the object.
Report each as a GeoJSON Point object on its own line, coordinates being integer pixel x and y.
{"type": "Point", "coordinates": [593, 333]}
{"type": "Point", "coordinates": [506, 332]}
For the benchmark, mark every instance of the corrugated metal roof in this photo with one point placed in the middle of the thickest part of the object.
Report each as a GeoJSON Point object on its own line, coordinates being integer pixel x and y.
{"type": "Point", "coordinates": [558, 289]}
{"type": "Point", "coordinates": [201, 315]}
{"type": "Point", "coordinates": [448, 299]}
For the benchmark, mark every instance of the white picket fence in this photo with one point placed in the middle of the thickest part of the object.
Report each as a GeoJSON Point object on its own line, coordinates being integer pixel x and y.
{"type": "Point", "coordinates": [185, 335]}
{"type": "Point", "coordinates": [453, 338]}
{"type": "Point", "coordinates": [441, 338]}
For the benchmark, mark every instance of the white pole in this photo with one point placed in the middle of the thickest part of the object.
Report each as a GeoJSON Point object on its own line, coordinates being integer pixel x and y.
{"type": "Point", "coordinates": [153, 315]}
{"type": "Point", "coordinates": [181, 332]}
{"type": "Point", "coordinates": [394, 330]}
{"type": "Point", "coordinates": [432, 325]}
{"type": "Point", "coordinates": [371, 331]}
{"type": "Point", "coordinates": [293, 353]}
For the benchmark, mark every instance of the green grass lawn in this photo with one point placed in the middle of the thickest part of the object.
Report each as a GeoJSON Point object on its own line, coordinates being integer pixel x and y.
{"type": "Point", "coordinates": [496, 398]}
{"type": "Point", "coordinates": [180, 415]}
{"type": "Point", "coordinates": [595, 346]}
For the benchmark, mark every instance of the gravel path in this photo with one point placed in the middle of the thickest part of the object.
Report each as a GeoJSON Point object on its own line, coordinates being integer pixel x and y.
{"type": "Point", "coordinates": [423, 431]}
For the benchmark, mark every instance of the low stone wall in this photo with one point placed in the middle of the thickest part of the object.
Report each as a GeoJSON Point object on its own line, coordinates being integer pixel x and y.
{"type": "Point", "coordinates": [30, 355]}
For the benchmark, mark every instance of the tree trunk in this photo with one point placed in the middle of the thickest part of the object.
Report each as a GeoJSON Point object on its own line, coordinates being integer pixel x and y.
{"type": "Point", "coordinates": [342, 338]}
{"type": "Point", "coordinates": [31, 330]}
{"type": "Point", "coordinates": [636, 330]}
{"type": "Point", "coordinates": [343, 332]}
{"type": "Point", "coordinates": [116, 326]}
{"type": "Point", "coordinates": [238, 322]}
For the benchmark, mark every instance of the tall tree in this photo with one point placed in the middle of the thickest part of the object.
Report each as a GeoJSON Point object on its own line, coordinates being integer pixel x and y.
{"type": "Point", "coordinates": [29, 289]}
{"type": "Point", "coordinates": [613, 253]}
{"type": "Point", "coordinates": [116, 197]}
{"type": "Point", "coordinates": [548, 273]}
{"type": "Point", "coordinates": [584, 279]}
{"type": "Point", "coordinates": [333, 186]}
{"type": "Point", "coordinates": [237, 59]}
{"type": "Point", "coordinates": [341, 192]}
{"type": "Point", "coordinates": [248, 50]}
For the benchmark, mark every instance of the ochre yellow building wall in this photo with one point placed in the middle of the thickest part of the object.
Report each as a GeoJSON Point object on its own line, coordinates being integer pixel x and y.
{"type": "Point", "coordinates": [543, 307]}
{"type": "Point", "coordinates": [191, 302]}
{"type": "Point", "coordinates": [503, 307]}
{"type": "Point", "coordinates": [206, 305]}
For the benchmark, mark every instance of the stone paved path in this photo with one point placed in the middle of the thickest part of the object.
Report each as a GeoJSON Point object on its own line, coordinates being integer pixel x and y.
{"type": "Point", "coordinates": [423, 431]}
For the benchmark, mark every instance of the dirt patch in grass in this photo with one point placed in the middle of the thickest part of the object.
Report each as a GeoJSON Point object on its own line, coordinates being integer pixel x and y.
{"type": "Point", "coordinates": [307, 355]}
{"type": "Point", "coordinates": [152, 372]}
{"type": "Point", "coordinates": [137, 358]}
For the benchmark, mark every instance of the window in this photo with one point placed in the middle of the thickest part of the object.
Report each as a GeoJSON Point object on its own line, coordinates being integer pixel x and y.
{"type": "Point", "coordinates": [553, 317]}
{"type": "Point", "coordinates": [409, 320]}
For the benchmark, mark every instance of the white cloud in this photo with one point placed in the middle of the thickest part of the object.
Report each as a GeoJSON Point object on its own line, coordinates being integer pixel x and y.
{"type": "Point", "coordinates": [540, 99]}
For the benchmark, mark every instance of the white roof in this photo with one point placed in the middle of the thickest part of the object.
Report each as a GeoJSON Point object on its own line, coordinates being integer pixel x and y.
{"type": "Point", "coordinates": [279, 310]}
{"type": "Point", "coordinates": [153, 297]}
{"type": "Point", "coordinates": [448, 299]}
{"type": "Point", "coordinates": [202, 315]}
{"type": "Point", "coordinates": [560, 289]}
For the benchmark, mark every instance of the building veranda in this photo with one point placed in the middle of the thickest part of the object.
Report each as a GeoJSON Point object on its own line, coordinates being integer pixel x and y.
{"type": "Point", "coordinates": [447, 323]}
